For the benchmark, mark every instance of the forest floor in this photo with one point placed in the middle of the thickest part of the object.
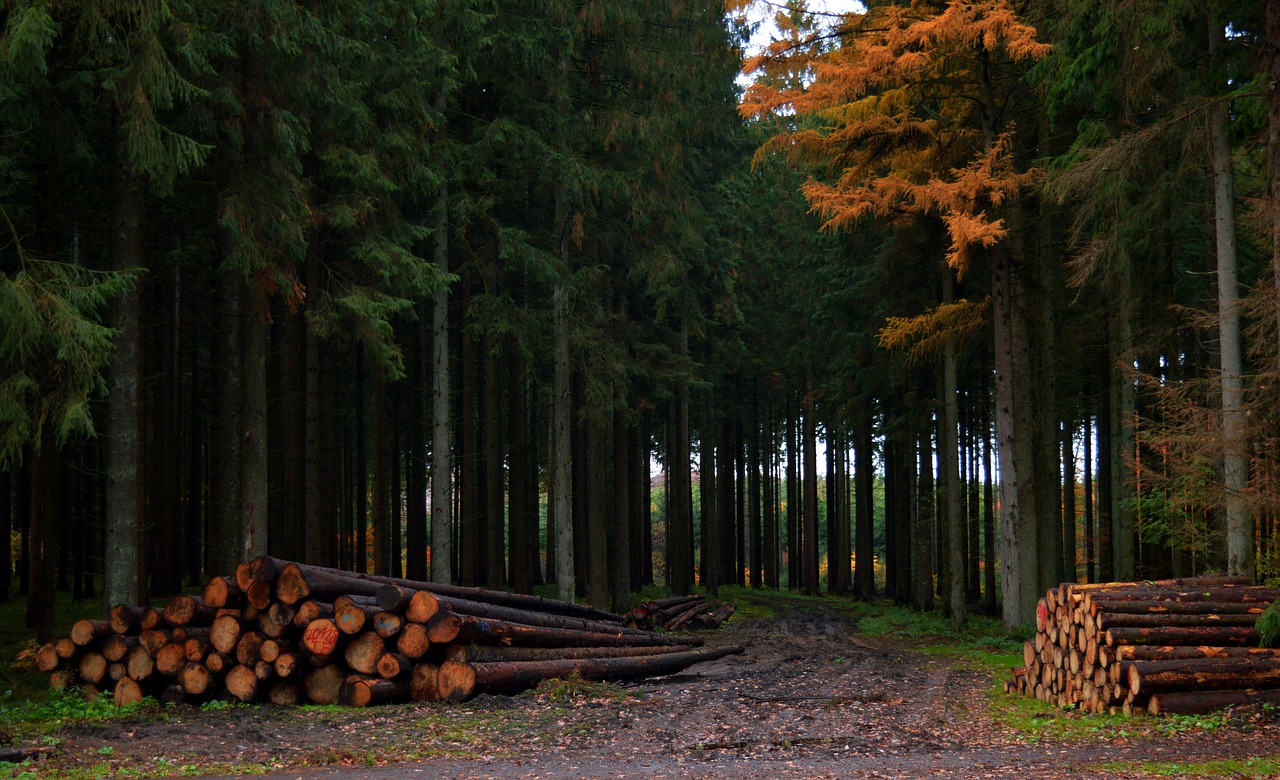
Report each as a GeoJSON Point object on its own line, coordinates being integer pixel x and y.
{"type": "Point", "coordinates": [825, 689]}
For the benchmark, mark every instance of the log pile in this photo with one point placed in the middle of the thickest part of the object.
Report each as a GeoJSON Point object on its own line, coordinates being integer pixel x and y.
{"type": "Point", "coordinates": [289, 633]}
{"type": "Point", "coordinates": [1171, 646]}
{"type": "Point", "coordinates": [679, 613]}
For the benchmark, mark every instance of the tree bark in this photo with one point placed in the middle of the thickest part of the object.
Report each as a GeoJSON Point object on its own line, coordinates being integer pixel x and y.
{"type": "Point", "coordinates": [459, 681]}
{"type": "Point", "coordinates": [123, 512]}
{"type": "Point", "coordinates": [950, 455]}
{"type": "Point", "coordinates": [441, 422]}
{"type": "Point", "coordinates": [1235, 465]}
{"type": "Point", "coordinates": [253, 525]}
{"type": "Point", "coordinates": [809, 540]}
{"type": "Point", "coordinates": [561, 412]}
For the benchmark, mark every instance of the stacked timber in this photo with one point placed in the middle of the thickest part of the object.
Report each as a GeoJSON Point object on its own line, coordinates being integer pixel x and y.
{"type": "Point", "coordinates": [289, 633]}
{"type": "Point", "coordinates": [1169, 646]}
{"type": "Point", "coordinates": [679, 613]}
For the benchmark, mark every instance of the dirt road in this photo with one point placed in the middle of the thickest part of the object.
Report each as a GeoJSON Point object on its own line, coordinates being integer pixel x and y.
{"type": "Point", "coordinates": [810, 698]}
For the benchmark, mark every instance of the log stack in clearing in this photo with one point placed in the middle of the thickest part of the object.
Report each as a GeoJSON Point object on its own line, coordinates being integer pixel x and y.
{"type": "Point", "coordinates": [1171, 646]}
{"type": "Point", "coordinates": [290, 633]}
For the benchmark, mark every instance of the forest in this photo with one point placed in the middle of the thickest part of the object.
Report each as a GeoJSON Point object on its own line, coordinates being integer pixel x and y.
{"type": "Point", "coordinates": [944, 302]}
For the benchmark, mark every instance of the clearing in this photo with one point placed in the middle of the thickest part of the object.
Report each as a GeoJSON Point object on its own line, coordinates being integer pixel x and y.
{"type": "Point", "coordinates": [826, 688]}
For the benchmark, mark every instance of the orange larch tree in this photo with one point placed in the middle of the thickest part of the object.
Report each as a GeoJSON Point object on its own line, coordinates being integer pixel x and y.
{"type": "Point", "coordinates": [905, 113]}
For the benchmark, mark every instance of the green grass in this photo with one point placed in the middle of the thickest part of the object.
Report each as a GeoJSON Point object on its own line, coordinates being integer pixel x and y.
{"type": "Point", "coordinates": [1254, 767]}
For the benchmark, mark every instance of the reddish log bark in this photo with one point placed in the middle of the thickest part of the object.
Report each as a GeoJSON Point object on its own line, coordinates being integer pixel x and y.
{"type": "Point", "coordinates": [1185, 635]}
{"type": "Point", "coordinates": [393, 665]}
{"type": "Point", "coordinates": [357, 691]}
{"type": "Point", "coordinates": [424, 683]}
{"type": "Point", "coordinates": [249, 648]}
{"type": "Point", "coordinates": [116, 646]}
{"type": "Point", "coordinates": [425, 605]}
{"type": "Point", "coordinates": [489, 654]}
{"type": "Point", "coordinates": [446, 627]}
{"type": "Point", "coordinates": [460, 681]}
{"type": "Point", "coordinates": [47, 658]}
{"type": "Point", "coordinates": [1202, 674]}
{"type": "Point", "coordinates": [1201, 702]}
{"type": "Point", "coordinates": [221, 592]}
{"type": "Point", "coordinates": [184, 609]}
{"type": "Point", "coordinates": [85, 632]}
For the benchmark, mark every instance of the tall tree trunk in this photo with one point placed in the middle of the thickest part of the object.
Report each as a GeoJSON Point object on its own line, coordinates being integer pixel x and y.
{"type": "Point", "coordinates": [522, 532]}
{"type": "Point", "coordinates": [771, 555]}
{"type": "Point", "coordinates": [598, 475]}
{"type": "Point", "coordinates": [561, 411]}
{"type": "Point", "coordinates": [42, 549]}
{"type": "Point", "coordinates": [922, 565]}
{"type": "Point", "coordinates": [725, 544]}
{"type": "Point", "coordinates": [950, 456]}
{"type": "Point", "coordinates": [1123, 419]}
{"type": "Point", "coordinates": [495, 574]}
{"type": "Point", "coordinates": [809, 535]}
{"type": "Point", "coordinates": [1271, 48]}
{"type": "Point", "coordinates": [358, 459]}
{"type": "Point", "coordinates": [415, 454]}
{"type": "Point", "coordinates": [380, 468]}
{"type": "Point", "coordinates": [680, 498]}
{"type": "Point", "coordinates": [124, 513]}
{"type": "Point", "coordinates": [754, 525]}
{"type": "Point", "coordinates": [320, 530]}
{"type": "Point", "coordinates": [864, 499]}
{"type": "Point", "coordinates": [709, 550]}
{"type": "Point", "coordinates": [988, 506]}
{"type": "Point", "coordinates": [793, 551]}
{"type": "Point", "coordinates": [1235, 464]}
{"type": "Point", "coordinates": [471, 527]}
{"type": "Point", "coordinates": [1090, 549]}
{"type": "Point", "coordinates": [1106, 474]}
{"type": "Point", "coordinates": [441, 422]}
{"type": "Point", "coordinates": [253, 418]}
{"type": "Point", "coordinates": [6, 532]}
{"type": "Point", "coordinates": [619, 558]}
{"type": "Point", "coordinates": [224, 522]}
{"type": "Point", "coordinates": [1069, 502]}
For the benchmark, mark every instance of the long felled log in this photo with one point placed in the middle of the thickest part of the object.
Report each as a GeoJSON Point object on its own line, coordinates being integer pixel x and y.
{"type": "Point", "coordinates": [357, 691]}
{"type": "Point", "coordinates": [1201, 702]}
{"type": "Point", "coordinates": [222, 592]}
{"type": "Point", "coordinates": [1106, 620]}
{"type": "Point", "coordinates": [447, 627]}
{"type": "Point", "coordinates": [1176, 652]}
{"type": "Point", "coordinates": [425, 605]}
{"type": "Point", "coordinates": [1164, 606]}
{"type": "Point", "coordinates": [298, 581]}
{"type": "Point", "coordinates": [86, 632]}
{"type": "Point", "coordinates": [1241, 594]}
{"type": "Point", "coordinates": [183, 609]}
{"type": "Point", "coordinates": [491, 654]}
{"type": "Point", "coordinates": [462, 681]}
{"type": "Point", "coordinates": [1202, 674]}
{"type": "Point", "coordinates": [1182, 635]}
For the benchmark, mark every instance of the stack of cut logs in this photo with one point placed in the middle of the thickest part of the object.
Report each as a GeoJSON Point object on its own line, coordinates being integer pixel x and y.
{"type": "Point", "coordinates": [1169, 646]}
{"type": "Point", "coordinates": [291, 633]}
{"type": "Point", "coordinates": [679, 613]}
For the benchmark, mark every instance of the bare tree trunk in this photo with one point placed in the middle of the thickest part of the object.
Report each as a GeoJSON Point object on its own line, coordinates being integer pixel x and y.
{"type": "Point", "coordinates": [620, 536]}
{"type": "Point", "coordinates": [495, 565]}
{"type": "Point", "coordinates": [809, 541]}
{"type": "Point", "coordinates": [1235, 464]}
{"type": "Point", "coordinates": [952, 488]}
{"type": "Point", "coordinates": [253, 418]}
{"type": "Point", "coordinates": [562, 402]}
{"type": "Point", "coordinates": [380, 467]}
{"type": "Point", "coordinates": [320, 549]}
{"type": "Point", "coordinates": [680, 498]}
{"type": "Point", "coordinates": [124, 513]}
{"type": "Point", "coordinates": [1069, 502]}
{"type": "Point", "coordinates": [441, 422]}
{"type": "Point", "coordinates": [793, 500]}
{"type": "Point", "coordinates": [522, 532]}
{"type": "Point", "coordinates": [224, 522]}
{"type": "Point", "coordinates": [1123, 410]}
{"type": "Point", "coordinates": [1271, 47]}
{"type": "Point", "coordinates": [922, 565]}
